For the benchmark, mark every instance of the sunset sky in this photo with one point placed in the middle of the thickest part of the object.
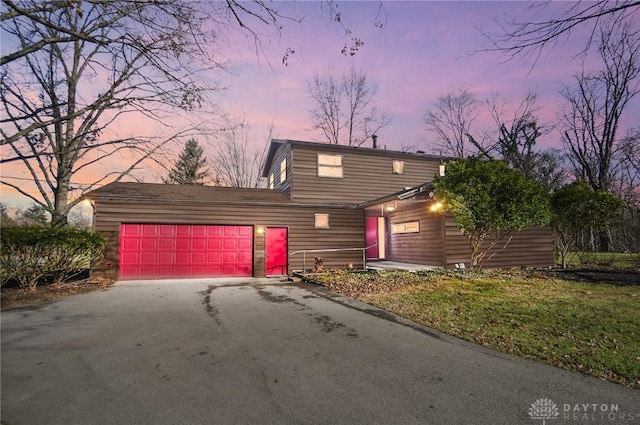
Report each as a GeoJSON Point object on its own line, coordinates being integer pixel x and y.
{"type": "Point", "coordinates": [423, 50]}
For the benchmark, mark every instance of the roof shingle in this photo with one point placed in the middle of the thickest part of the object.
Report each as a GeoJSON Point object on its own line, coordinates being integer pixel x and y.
{"type": "Point", "coordinates": [171, 192]}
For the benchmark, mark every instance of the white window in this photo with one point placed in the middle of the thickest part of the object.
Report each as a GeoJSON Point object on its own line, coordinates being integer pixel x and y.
{"type": "Point", "coordinates": [321, 221]}
{"type": "Point", "coordinates": [283, 170]}
{"type": "Point", "coordinates": [329, 165]}
{"type": "Point", "coordinates": [409, 227]}
{"type": "Point", "coordinates": [398, 167]}
{"type": "Point", "coordinates": [271, 184]}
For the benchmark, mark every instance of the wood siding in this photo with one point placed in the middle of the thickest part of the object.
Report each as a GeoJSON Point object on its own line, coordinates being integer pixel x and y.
{"type": "Point", "coordinates": [346, 228]}
{"type": "Point", "coordinates": [284, 152]}
{"type": "Point", "coordinates": [425, 247]}
{"type": "Point", "coordinates": [533, 247]}
{"type": "Point", "coordinates": [366, 176]}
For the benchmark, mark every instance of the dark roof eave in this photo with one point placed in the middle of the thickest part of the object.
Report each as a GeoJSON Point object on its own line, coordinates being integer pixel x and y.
{"type": "Point", "coordinates": [229, 202]}
{"type": "Point", "coordinates": [421, 188]}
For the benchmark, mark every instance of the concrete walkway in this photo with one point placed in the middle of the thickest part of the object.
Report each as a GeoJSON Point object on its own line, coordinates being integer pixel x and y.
{"type": "Point", "coordinates": [247, 351]}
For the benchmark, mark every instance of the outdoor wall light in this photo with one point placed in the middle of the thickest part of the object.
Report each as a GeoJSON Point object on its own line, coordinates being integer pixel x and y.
{"type": "Point", "coordinates": [435, 207]}
{"type": "Point", "coordinates": [260, 230]}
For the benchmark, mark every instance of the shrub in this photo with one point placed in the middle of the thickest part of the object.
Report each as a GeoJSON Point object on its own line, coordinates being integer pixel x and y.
{"type": "Point", "coordinates": [31, 254]}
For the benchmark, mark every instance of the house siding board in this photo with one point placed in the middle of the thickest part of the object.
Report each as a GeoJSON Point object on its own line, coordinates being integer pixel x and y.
{"type": "Point", "coordinates": [283, 152]}
{"type": "Point", "coordinates": [425, 247]}
{"type": "Point", "coordinates": [347, 228]}
{"type": "Point", "coordinates": [533, 247]}
{"type": "Point", "coordinates": [365, 176]}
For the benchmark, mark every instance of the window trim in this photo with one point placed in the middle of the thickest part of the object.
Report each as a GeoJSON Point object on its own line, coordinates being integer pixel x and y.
{"type": "Point", "coordinates": [405, 227]}
{"type": "Point", "coordinates": [399, 170]}
{"type": "Point", "coordinates": [319, 225]}
{"type": "Point", "coordinates": [283, 170]}
{"type": "Point", "coordinates": [320, 166]}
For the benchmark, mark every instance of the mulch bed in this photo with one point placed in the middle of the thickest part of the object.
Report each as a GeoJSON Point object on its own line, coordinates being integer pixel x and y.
{"type": "Point", "coordinates": [599, 275]}
{"type": "Point", "coordinates": [16, 297]}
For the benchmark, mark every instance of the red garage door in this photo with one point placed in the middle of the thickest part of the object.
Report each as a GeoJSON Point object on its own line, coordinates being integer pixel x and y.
{"type": "Point", "coordinates": [156, 251]}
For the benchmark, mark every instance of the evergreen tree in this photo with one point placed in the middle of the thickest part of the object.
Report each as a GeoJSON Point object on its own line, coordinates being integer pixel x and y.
{"type": "Point", "coordinates": [5, 219]}
{"type": "Point", "coordinates": [36, 215]}
{"type": "Point", "coordinates": [191, 166]}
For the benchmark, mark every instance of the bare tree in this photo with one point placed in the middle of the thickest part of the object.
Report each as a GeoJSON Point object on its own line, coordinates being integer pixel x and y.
{"type": "Point", "coordinates": [525, 38]}
{"type": "Point", "coordinates": [79, 68]}
{"type": "Point", "coordinates": [235, 162]}
{"type": "Point", "coordinates": [594, 106]}
{"type": "Point", "coordinates": [451, 120]}
{"type": "Point", "coordinates": [519, 130]}
{"type": "Point", "coordinates": [344, 109]}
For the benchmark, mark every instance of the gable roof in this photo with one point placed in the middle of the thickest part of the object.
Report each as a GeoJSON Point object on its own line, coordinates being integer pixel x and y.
{"type": "Point", "coordinates": [327, 147]}
{"type": "Point", "coordinates": [127, 191]}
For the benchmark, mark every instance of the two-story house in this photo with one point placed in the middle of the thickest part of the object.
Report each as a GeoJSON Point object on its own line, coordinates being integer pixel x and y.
{"type": "Point", "coordinates": [348, 205]}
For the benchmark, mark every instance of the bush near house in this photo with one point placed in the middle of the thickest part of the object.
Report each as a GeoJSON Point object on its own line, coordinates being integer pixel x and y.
{"type": "Point", "coordinates": [29, 255]}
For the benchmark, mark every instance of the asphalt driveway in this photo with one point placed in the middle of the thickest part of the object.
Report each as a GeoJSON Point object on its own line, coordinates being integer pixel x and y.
{"type": "Point", "coordinates": [246, 351]}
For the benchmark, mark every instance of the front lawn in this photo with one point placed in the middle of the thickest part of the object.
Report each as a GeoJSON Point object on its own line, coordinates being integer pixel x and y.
{"type": "Point", "coordinates": [590, 328]}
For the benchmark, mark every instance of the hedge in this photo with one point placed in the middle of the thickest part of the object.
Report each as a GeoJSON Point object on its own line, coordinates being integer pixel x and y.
{"type": "Point", "coordinates": [29, 255]}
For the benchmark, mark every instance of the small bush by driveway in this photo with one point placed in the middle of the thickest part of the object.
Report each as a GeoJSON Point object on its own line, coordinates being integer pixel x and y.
{"type": "Point", "coordinates": [581, 326]}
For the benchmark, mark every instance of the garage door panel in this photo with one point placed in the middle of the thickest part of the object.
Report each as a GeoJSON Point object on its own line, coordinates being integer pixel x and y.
{"type": "Point", "coordinates": [229, 244]}
{"type": "Point", "coordinates": [131, 230]}
{"type": "Point", "coordinates": [170, 251]}
{"type": "Point", "coordinates": [198, 230]}
{"type": "Point", "coordinates": [198, 243]}
{"type": "Point", "coordinates": [167, 244]}
{"type": "Point", "coordinates": [183, 257]}
{"type": "Point", "coordinates": [166, 258]}
{"type": "Point", "coordinates": [244, 258]}
{"type": "Point", "coordinates": [148, 243]}
{"type": "Point", "coordinates": [166, 230]}
{"type": "Point", "coordinates": [149, 230]}
{"type": "Point", "coordinates": [245, 243]}
{"type": "Point", "coordinates": [198, 257]}
{"type": "Point", "coordinates": [215, 243]}
{"type": "Point", "coordinates": [183, 243]}
{"type": "Point", "coordinates": [214, 257]}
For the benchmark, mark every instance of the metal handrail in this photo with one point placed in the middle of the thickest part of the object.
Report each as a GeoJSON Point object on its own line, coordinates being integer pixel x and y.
{"type": "Point", "coordinates": [304, 254]}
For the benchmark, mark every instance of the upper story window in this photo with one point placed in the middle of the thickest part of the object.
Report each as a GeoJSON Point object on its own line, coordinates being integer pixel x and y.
{"type": "Point", "coordinates": [330, 165]}
{"type": "Point", "coordinates": [271, 181]}
{"type": "Point", "coordinates": [397, 167]}
{"type": "Point", "coordinates": [283, 170]}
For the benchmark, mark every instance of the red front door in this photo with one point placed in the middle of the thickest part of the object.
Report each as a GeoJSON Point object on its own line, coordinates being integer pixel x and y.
{"type": "Point", "coordinates": [277, 251]}
{"type": "Point", "coordinates": [371, 237]}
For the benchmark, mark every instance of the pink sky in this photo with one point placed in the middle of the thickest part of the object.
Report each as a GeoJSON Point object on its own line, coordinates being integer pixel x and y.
{"type": "Point", "coordinates": [423, 51]}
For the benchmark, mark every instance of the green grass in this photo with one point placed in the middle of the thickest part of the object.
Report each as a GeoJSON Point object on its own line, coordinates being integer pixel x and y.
{"type": "Point", "coordinates": [584, 327]}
